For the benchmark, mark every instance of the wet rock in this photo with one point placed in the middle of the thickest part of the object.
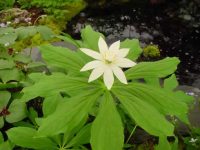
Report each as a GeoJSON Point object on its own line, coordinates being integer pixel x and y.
{"type": "Point", "coordinates": [187, 17]}
{"type": "Point", "coordinates": [36, 55]}
{"type": "Point", "coordinates": [196, 83]}
{"type": "Point", "coordinates": [146, 37]}
{"type": "Point", "coordinates": [130, 32]}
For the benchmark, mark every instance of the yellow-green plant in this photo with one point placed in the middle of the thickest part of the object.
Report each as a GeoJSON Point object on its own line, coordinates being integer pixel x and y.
{"type": "Point", "coordinates": [77, 112]}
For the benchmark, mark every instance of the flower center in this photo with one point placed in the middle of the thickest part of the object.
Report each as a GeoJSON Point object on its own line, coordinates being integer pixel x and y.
{"type": "Point", "coordinates": [109, 57]}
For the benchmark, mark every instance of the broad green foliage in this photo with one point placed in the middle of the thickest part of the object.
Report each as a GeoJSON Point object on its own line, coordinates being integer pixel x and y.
{"type": "Point", "coordinates": [25, 36]}
{"type": "Point", "coordinates": [107, 129]}
{"type": "Point", "coordinates": [60, 9]}
{"type": "Point", "coordinates": [25, 138]}
{"type": "Point", "coordinates": [6, 4]}
{"type": "Point", "coordinates": [158, 69]}
{"type": "Point", "coordinates": [76, 112]}
{"type": "Point", "coordinates": [14, 112]}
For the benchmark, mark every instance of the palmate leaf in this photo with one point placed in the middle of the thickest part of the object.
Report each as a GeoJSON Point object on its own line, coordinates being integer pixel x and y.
{"type": "Point", "coordinates": [158, 69]}
{"type": "Point", "coordinates": [163, 101]}
{"type": "Point", "coordinates": [24, 137]}
{"type": "Point", "coordinates": [107, 129]}
{"type": "Point", "coordinates": [82, 137]}
{"type": "Point", "coordinates": [69, 114]}
{"type": "Point", "coordinates": [62, 58]}
{"type": "Point", "coordinates": [54, 84]}
{"type": "Point", "coordinates": [145, 115]}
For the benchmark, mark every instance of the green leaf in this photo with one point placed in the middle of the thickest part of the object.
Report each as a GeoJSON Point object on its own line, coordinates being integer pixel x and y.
{"type": "Point", "coordinates": [54, 84]}
{"type": "Point", "coordinates": [8, 38]}
{"type": "Point", "coordinates": [1, 122]}
{"type": "Point", "coordinates": [24, 137]}
{"type": "Point", "coordinates": [90, 38]}
{"type": "Point", "coordinates": [6, 30]}
{"type": "Point", "coordinates": [4, 99]}
{"type": "Point", "coordinates": [6, 64]}
{"type": "Point", "coordinates": [171, 83]}
{"type": "Point", "coordinates": [145, 115]}
{"type": "Point", "coordinates": [11, 74]}
{"type": "Point", "coordinates": [163, 144]}
{"type": "Point", "coordinates": [17, 111]}
{"type": "Point", "coordinates": [1, 138]}
{"type": "Point", "coordinates": [46, 32]}
{"type": "Point", "coordinates": [183, 97]}
{"type": "Point", "coordinates": [22, 58]}
{"type": "Point", "coordinates": [62, 58]}
{"type": "Point", "coordinates": [153, 81]}
{"type": "Point", "coordinates": [68, 115]}
{"type": "Point", "coordinates": [24, 32]}
{"type": "Point", "coordinates": [174, 146]}
{"type": "Point", "coordinates": [32, 115]}
{"type": "Point", "coordinates": [8, 85]}
{"type": "Point", "coordinates": [82, 137]}
{"type": "Point", "coordinates": [159, 69]}
{"type": "Point", "coordinates": [6, 146]}
{"type": "Point", "coordinates": [107, 129]}
{"type": "Point", "coordinates": [134, 46]}
{"type": "Point", "coordinates": [35, 65]}
{"type": "Point", "coordinates": [50, 104]}
{"type": "Point", "coordinates": [69, 39]}
{"type": "Point", "coordinates": [164, 101]}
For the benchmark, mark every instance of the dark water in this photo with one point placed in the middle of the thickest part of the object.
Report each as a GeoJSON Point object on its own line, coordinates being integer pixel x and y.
{"type": "Point", "coordinates": [174, 27]}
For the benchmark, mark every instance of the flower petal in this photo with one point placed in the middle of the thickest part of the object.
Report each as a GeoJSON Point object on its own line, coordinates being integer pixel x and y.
{"type": "Point", "coordinates": [123, 52]}
{"type": "Point", "coordinates": [108, 78]}
{"type": "Point", "coordinates": [125, 63]}
{"type": "Point", "coordinates": [96, 73]}
{"type": "Point", "coordinates": [91, 65]}
{"type": "Point", "coordinates": [119, 74]}
{"type": "Point", "coordinates": [91, 53]}
{"type": "Point", "coordinates": [115, 47]}
{"type": "Point", "coordinates": [103, 47]}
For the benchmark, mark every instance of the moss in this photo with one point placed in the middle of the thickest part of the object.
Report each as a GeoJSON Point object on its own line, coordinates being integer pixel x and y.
{"type": "Point", "coordinates": [151, 51]}
{"type": "Point", "coordinates": [52, 23]}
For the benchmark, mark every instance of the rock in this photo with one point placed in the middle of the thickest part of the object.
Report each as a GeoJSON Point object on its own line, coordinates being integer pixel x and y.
{"type": "Point", "coordinates": [196, 83]}
{"type": "Point", "coordinates": [146, 37]}
{"type": "Point", "coordinates": [36, 55]}
{"type": "Point", "coordinates": [187, 17]}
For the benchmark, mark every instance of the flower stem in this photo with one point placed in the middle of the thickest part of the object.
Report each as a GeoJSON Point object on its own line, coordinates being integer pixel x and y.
{"type": "Point", "coordinates": [131, 134]}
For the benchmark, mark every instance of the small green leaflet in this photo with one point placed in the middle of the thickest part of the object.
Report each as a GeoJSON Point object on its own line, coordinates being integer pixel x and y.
{"type": "Point", "coordinates": [107, 128]}
{"type": "Point", "coordinates": [158, 69]}
{"type": "Point", "coordinates": [144, 114]}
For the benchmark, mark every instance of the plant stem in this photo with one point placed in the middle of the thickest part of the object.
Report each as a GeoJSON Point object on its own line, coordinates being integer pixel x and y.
{"type": "Point", "coordinates": [131, 134]}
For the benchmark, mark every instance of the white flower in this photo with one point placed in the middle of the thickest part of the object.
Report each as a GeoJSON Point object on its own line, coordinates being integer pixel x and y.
{"type": "Point", "coordinates": [192, 140]}
{"type": "Point", "coordinates": [110, 60]}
